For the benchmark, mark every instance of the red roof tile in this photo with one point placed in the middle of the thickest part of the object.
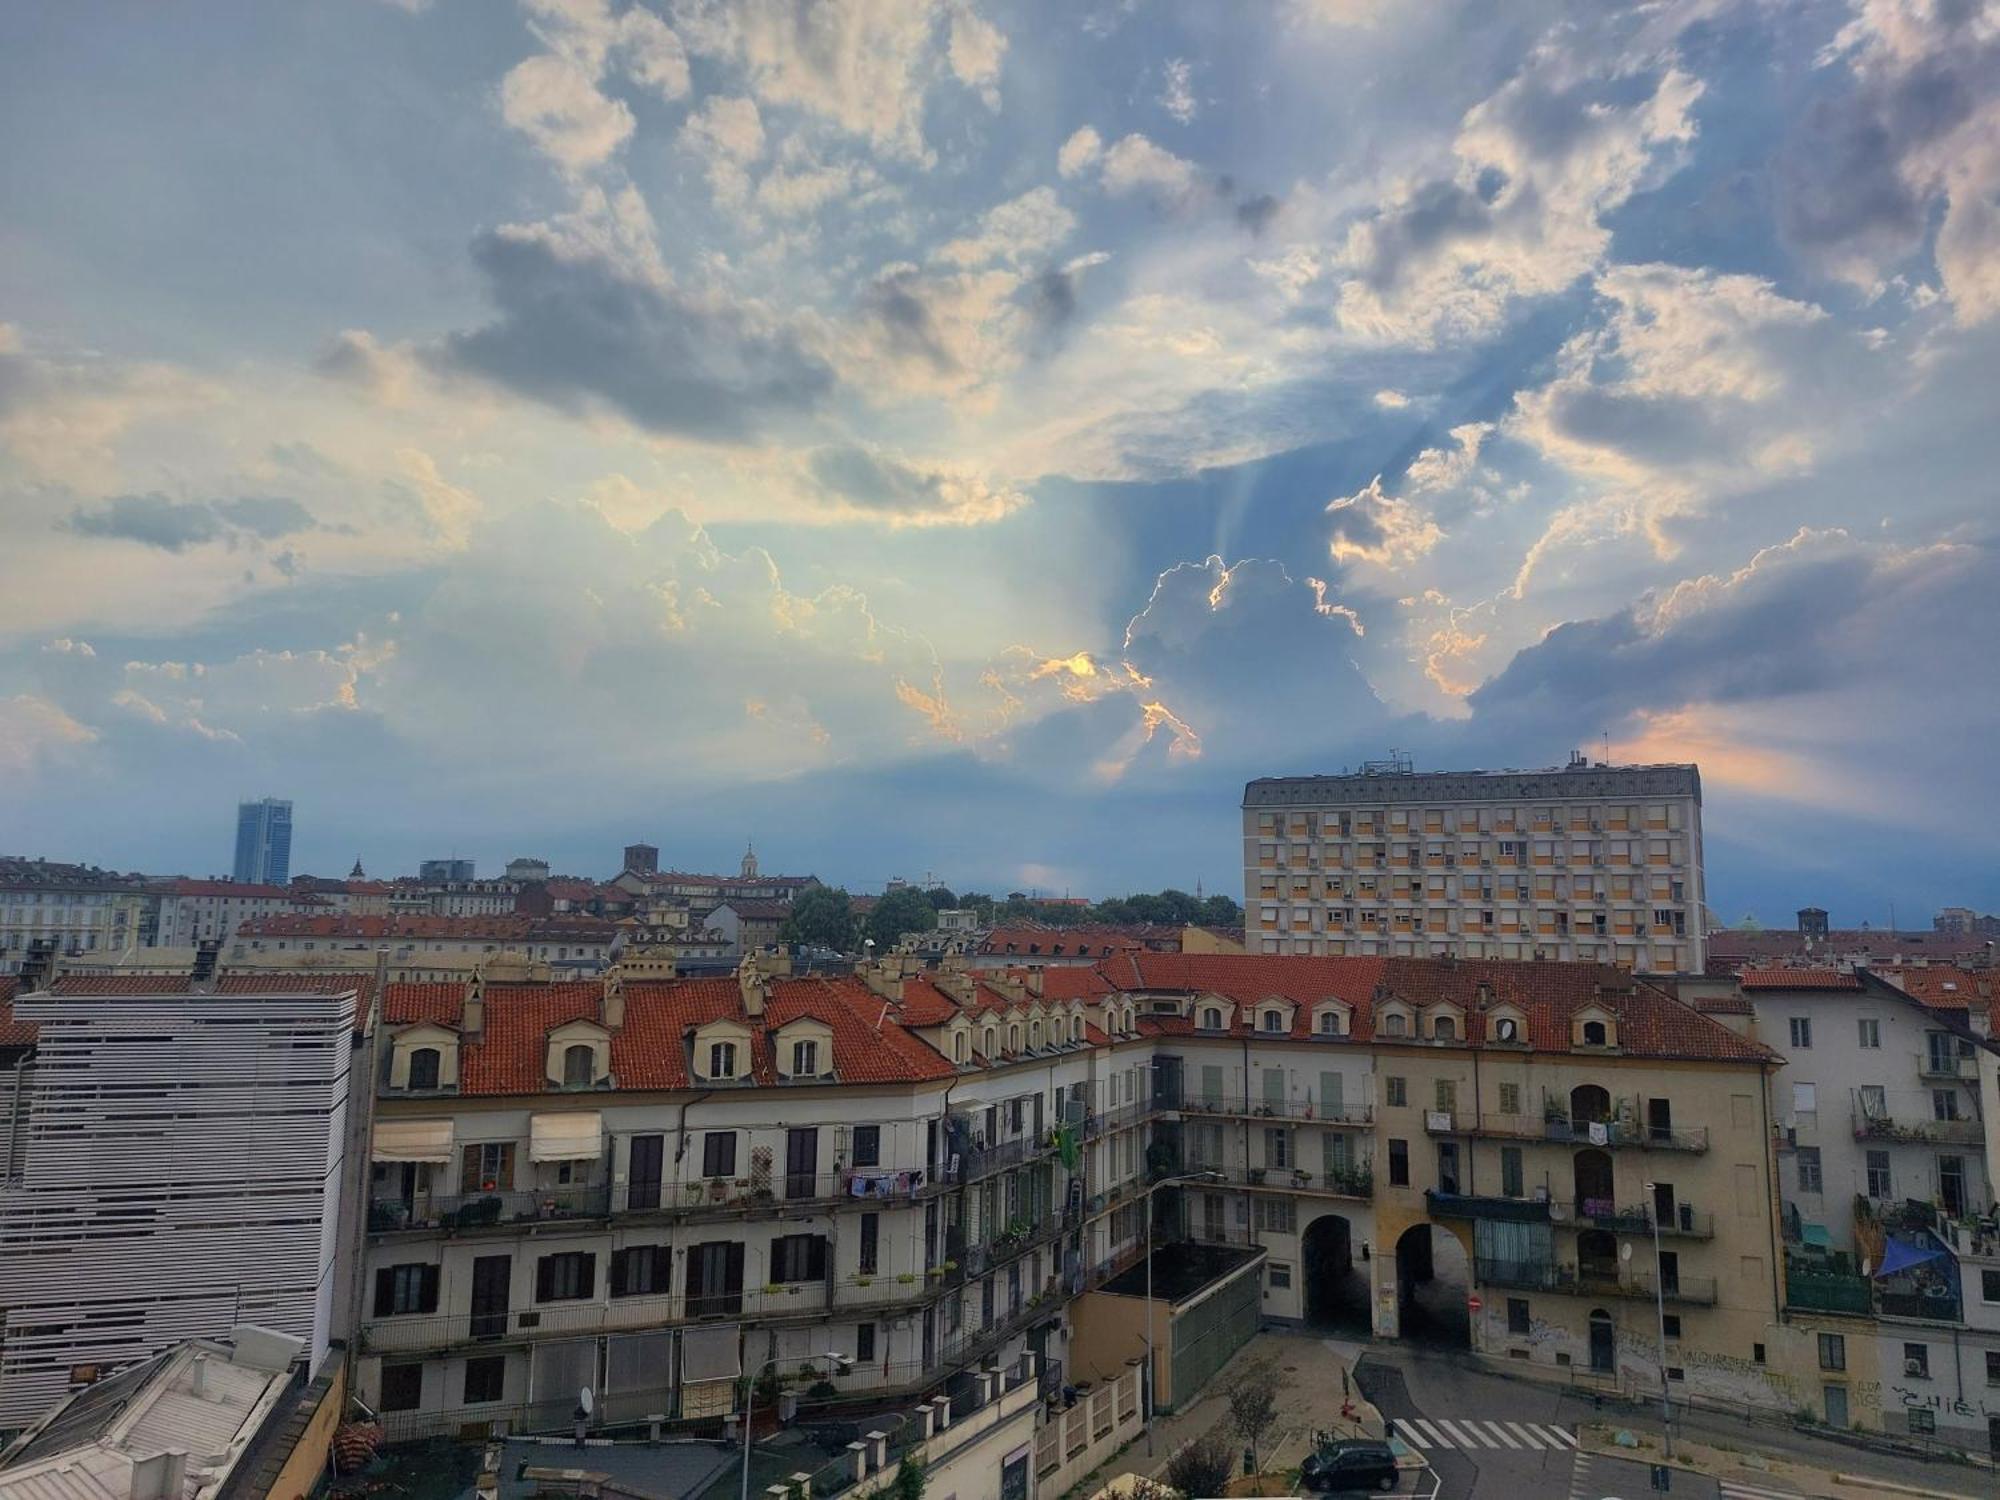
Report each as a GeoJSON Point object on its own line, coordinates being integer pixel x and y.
{"type": "Point", "coordinates": [1940, 986]}
{"type": "Point", "coordinates": [13, 1033]}
{"type": "Point", "coordinates": [1798, 979]}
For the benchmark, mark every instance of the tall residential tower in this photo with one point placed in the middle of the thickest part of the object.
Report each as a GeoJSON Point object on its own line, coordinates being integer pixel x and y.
{"type": "Point", "coordinates": [264, 842]}
{"type": "Point", "coordinates": [1589, 861]}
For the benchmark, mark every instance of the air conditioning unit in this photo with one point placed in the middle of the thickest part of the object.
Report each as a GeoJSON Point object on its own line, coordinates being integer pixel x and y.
{"type": "Point", "coordinates": [1913, 1367]}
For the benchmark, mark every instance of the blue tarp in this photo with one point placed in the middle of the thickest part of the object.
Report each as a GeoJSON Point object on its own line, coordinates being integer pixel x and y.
{"type": "Point", "coordinates": [1900, 1255]}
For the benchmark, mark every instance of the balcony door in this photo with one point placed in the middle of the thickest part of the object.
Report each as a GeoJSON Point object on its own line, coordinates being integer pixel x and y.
{"type": "Point", "coordinates": [642, 1182]}
{"type": "Point", "coordinates": [1660, 1119]}
{"type": "Point", "coordinates": [715, 1279]}
{"type": "Point", "coordinates": [801, 1162]}
{"type": "Point", "coordinates": [492, 1280]}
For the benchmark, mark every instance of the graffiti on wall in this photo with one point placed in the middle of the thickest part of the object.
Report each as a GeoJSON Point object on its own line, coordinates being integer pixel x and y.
{"type": "Point", "coordinates": [1955, 1406]}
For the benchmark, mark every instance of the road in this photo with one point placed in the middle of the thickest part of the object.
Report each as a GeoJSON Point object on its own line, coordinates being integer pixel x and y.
{"type": "Point", "coordinates": [1490, 1436]}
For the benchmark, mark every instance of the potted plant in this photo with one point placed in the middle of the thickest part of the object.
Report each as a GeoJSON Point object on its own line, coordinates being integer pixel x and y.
{"type": "Point", "coordinates": [1256, 1176]}
{"type": "Point", "coordinates": [1301, 1177]}
{"type": "Point", "coordinates": [906, 1278]}
{"type": "Point", "coordinates": [864, 1281]}
{"type": "Point", "coordinates": [772, 1288]}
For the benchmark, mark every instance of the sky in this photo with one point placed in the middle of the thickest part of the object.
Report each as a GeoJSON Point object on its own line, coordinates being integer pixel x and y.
{"type": "Point", "coordinates": [973, 437]}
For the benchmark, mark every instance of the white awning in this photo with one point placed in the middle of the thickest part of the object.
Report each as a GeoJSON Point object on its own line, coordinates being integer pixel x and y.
{"type": "Point", "coordinates": [412, 1140]}
{"type": "Point", "coordinates": [710, 1354]}
{"type": "Point", "coordinates": [572, 1136]}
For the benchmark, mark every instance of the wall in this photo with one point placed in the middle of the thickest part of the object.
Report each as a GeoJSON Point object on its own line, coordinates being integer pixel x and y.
{"type": "Point", "coordinates": [1205, 1332]}
{"type": "Point", "coordinates": [1075, 1441]}
{"type": "Point", "coordinates": [308, 1459]}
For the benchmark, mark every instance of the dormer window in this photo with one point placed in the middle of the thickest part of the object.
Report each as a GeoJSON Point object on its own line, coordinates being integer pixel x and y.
{"type": "Point", "coordinates": [1014, 1037]}
{"type": "Point", "coordinates": [1211, 1019]}
{"type": "Point", "coordinates": [1506, 1029]}
{"type": "Point", "coordinates": [989, 1041]}
{"type": "Point", "coordinates": [1273, 1021]}
{"type": "Point", "coordinates": [722, 1059]}
{"type": "Point", "coordinates": [1594, 1034]}
{"type": "Point", "coordinates": [1035, 1035]}
{"type": "Point", "coordinates": [1329, 1023]}
{"type": "Point", "coordinates": [959, 1047]}
{"type": "Point", "coordinates": [1076, 1028]}
{"type": "Point", "coordinates": [579, 1066]}
{"type": "Point", "coordinates": [805, 1059]}
{"type": "Point", "coordinates": [424, 1063]}
{"type": "Point", "coordinates": [1444, 1029]}
{"type": "Point", "coordinates": [1394, 1024]}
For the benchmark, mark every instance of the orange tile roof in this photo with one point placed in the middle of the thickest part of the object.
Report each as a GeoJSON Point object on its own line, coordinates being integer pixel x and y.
{"type": "Point", "coordinates": [1058, 942]}
{"type": "Point", "coordinates": [13, 1032]}
{"type": "Point", "coordinates": [1798, 979]}
{"type": "Point", "coordinates": [1940, 986]}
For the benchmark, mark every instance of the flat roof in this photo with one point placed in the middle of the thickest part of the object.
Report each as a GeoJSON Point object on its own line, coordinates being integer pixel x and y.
{"type": "Point", "coordinates": [1555, 784]}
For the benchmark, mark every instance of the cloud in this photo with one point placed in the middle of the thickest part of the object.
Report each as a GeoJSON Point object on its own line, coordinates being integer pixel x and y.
{"type": "Point", "coordinates": [881, 487]}
{"type": "Point", "coordinates": [1374, 527]}
{"type": "Point", "coordinates": [554, 98]}
{"type": "Point", "coordinates": [1177, 91]}
{"type": "Point", "coordinates": [1082, 151]}
{"type": "Point", "coordinates": [34, 730]}
{"type": "Point", "coordinates": [353, 357]}
{"type": "Point", "coordinates": [154, 520]}
{"type": "Point", "coordinates": [936, 333]}
{"type": "Point", "coordinates": [63, 415]}
{"type": "Point", "coordinates": [1137, 165]}
{"type": "Point", "coordinates": [977, 47]}
{"type": "Point", "coordinates": [1022, 229]}
{"type": "Point", "coordinates": [728, 135]}
{"type": "Point", "coordinates": [1914, 138]}
{"type": "Point", "coordinates": [582, 328]}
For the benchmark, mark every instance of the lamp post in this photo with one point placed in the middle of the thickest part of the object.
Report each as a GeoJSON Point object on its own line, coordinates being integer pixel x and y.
{"type": "Point", "coordinates": [838, 1361]}
{"type": "Point", "coordinates": [1147, 1199]}
{"type": "Point", "coordinates": [1660, 1292]}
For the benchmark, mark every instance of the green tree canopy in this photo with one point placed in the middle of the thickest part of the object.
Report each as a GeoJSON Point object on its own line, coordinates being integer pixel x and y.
{"type": "Point", "coordinates": [822, 917]}
{"type": "Point", "coordinates": [905, 909]}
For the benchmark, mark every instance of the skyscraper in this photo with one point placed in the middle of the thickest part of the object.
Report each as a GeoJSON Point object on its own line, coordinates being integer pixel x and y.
{"type": "Point", "coordinates": [264, 842]}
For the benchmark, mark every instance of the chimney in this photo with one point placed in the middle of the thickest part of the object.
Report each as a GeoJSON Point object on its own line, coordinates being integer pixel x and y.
{"type": "Point", "coordinates": [1485, 996]}
{"type": "Point", "coordinates": [1034, 982]}
{"type": "Point", "coordinates": [472, 1022]}
{"type": "Point", "coordinates": [752, 984]}
{"type": "Point", "coordinates": [611, 1004]}
{"type": "Point", "coordinates": [198, 1376]}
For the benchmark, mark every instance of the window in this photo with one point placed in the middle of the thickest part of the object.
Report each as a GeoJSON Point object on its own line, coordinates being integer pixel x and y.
{"type": "Point", "coordinates": [1922, 1419]}
{"type": "Point", "coordinates": [1594, 1034]}
{"type": "Point", "coordinates": [1278, 1275]}
{"type": "Point", "coordinates": [1993, 1366]}
{"type": "Point", "coordinates": [569, 1277]}
{"type": "Point", "coordinates": [424, 1068]}
{"type": "Point", "coordinates": [1517, 1315]}
{"type": "Point", "coordinates": [1833, 1351]}
{"type": "Point", "coordinates": [1874, 1102]}
{"type": "Point", "coordinates": [488, 1168]}
{"type": "Point", "coordinates": [1672, 1325]}
{"type": "Point", "coordinates": [1275, 1215]}
{"type": "Point", "coordinates": [1510, 1171]}
{"type": "Point", "coordinates": [1274, 1020]}
{"type": "Point", "coordinates": [1801, 1031]}
{"type": "Point", "coordinates": [868, 1145]}
{"type": "Point", "coordinates": [641, 1270]}
{"type": "Point", "coordinates": [579, 1066]}
{"type": "Point", "coordinates": [405, 1289]}
{"type": "Point", "coordinates": [1399, 1092]}
{"type": "Point", "coordinates": [1944, 1104]}
{"type": "Point", "coordinates": [864, 1343]}
{"type": "Point", "coordinates": [1211, 1018]}
{"type": "Point", "coordinates": [1756, 1354]}
{"type": "Point", "coordinates": [1277, 1147]}
{"type": "Point", "coordinates": [959, 1047]}
{"type": "Point", "coordinates": [1394, 1025]}
{"type": "Point", "coordinates": [1329, 1023]}
{"type": "Point", "coordinates": [1879, 1184]}
{"type": "Point", "coordinates": [1809, 1170]}
{"type": "Point", "coordinates": [871, 1245]}
{"type": "Point", "coordinates": [1805, 1101]}
{"type": "Point", "coordinates": [1447, 1095]}
{"type": "Point", "coordinates": [1444, 1029]}
{"type": "Point", "coordinates": [485, 1379]}
{"type": "Point", "coordinates": [805, 1059]}
{"type": "Point", "coordinates": [1510, 1098]}
{"type": "Point", "coordinates": [1399, 1163]}
{"type": "Point", "coordinates": [798, 1257]}
{"type": "Point", "coordinates": [402, 1387]}
{"type": "Point", "coordinates": [1917, 1360]}
{"type": "Point", "coordinates": [722, 1059]}
{"type": "Point", "coordinates": [718, 1153]}
{"type": "Point", "coordinates": [1871, 1032]}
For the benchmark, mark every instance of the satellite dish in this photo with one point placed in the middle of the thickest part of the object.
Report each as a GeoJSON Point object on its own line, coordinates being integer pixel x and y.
{"type": "Point", "coordinates": [583, 1400]}
{"type": "Point", "coordinates": [1624, 1253]}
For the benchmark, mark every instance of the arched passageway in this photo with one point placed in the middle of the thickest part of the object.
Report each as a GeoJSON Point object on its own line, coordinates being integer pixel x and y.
{"type": "Point", "coordinates": [1433, 1279]}
{"type": "Point", "coordinates": [1337, 1286]}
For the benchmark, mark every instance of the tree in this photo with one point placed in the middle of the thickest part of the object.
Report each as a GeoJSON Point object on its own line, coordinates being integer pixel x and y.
{"type": "Point", "coordinates": [821, 917]}
{"type": "Point", "coordinates": [1204, 1467]}
{"type": "Point", "coordinates": [909, 1481]}
{"type": "Point", "coordinates": [1253, 1406]}
{"type": "Point", "coordinates": [902, 910]}
{"type": "Point", "coordinates": [941, 898]}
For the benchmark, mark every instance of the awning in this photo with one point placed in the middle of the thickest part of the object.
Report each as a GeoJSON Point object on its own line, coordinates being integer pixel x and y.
{"type": "Point", "coordinates": [412, 1140]}
{"type": "Point", "coordinates": [1900, 1255]}
{"type": "Point", "coordinates": [1818, 1236]}
{"type": "Point", "coordinates": [572, 1136]}
{"type": "Point", "coordinates": [710, 1354]}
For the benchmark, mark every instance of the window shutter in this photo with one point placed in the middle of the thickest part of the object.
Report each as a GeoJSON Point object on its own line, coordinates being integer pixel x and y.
{"type": "Point", "coordinates": [734, 1272]}
{"type": "Point", "coordinates": [816, 1258]}
{"type": "Point", "coordinates": [385, 1292]}
{"type": "Point", "coordinates": [587, 1276]}
{"type": "Point", "coordinates": [663, 1271]}
{"type": "Point", "coordinates": [621, 1261]}
{"type": "Point", "coordinates": [545, 1278]}
{"type": "Point", "coordinates": [429, 1301]}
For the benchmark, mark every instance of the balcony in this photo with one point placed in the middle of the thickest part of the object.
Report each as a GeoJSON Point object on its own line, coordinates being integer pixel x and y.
{"type": "Point", "coordinates": [1932, 1068]}
{"type": "Point", "coordinates": [1559, 1130]}
{"type": "Point", "coordinates": [984, 1161]}
{"type": "Point", "coordinates": [463, 1211]}
{"type": "Point", "coordinates": [1480, 1206]}
{"type": "Point", "coordinates": [1682, 1223]}
{"type": "Point", "coordinates": [1594, 1281]}
{"type": "Point", "coordinates": [1354, 1182]}
{"type": "Point", "coordinates": [1919, 1132]}
{"type": "Point", "coordinates": [1831, 1293]}
{"type": "Point", "coordinates": [1122, 1118]}
{"type": "Point", "coordinates": [1932, 1305]}
{"type": "Point", "coordinates": [1358, 1116]}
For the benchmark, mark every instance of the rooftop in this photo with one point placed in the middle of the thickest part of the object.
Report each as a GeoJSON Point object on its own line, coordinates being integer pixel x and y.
{"type": "Point", "coordinates": [1555, 783]}
{"type": "Point", "coordinates": [279, 982]}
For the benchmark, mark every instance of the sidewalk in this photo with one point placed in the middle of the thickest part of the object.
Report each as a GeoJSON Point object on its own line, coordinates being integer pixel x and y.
{"type": "Point", "coordinates": [1757, 1470]}
{"type": "Point", "coordinates": [1310, 1369]}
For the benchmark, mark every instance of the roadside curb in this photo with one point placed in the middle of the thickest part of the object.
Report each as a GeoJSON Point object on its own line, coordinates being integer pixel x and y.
{"type": "Point", "coordinates": [1890, 1486]}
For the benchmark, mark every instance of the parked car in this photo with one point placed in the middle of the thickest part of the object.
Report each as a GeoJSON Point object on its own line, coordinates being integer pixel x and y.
{"type": "Point", "coordinates": [1349, 1464]}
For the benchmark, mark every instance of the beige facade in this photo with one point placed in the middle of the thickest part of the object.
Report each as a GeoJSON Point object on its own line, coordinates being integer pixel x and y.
{"type": "Point", "coordinates": [1590, 862]}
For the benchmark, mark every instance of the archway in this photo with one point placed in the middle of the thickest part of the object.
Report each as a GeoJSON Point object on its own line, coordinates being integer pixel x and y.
{"type": "Point", "coordinates": [1591, 1178]}
{"type": "Point", "coordinates": [1589, 1104]}
{"type": "Point", "coordinates": [1603, 1343]}
{"type": "Point", "coordinates": [1597, 1255]}
{"type": "Point", "coordinates": [1337, 1292]}
{"type": "Point", "coordinates": [1433, 1279]}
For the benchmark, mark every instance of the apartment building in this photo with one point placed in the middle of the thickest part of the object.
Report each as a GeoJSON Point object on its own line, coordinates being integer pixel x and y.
{"type": "Point", "coordinates": [192, 912]}
{"type": "Point", "coordinates": [181, 1173]}
{"type": "Point", "coordinates": [67, 909]}
{"type": "Point", "coordinates": [651, 1187]}
{"type": "Point", "coordinates": [570, 944]}
{"type": "Point", "coordinates": [1589, 862]}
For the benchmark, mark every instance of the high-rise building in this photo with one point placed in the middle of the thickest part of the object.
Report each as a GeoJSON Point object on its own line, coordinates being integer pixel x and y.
{"type": "Point", "coordinates": [1588, 861]}
{"type": "Point", "coordinates": [183, 1171]}
{"type": "Point", "coordinates": [264, 841]}
{"type": "Point", "coordinates": [442, 871]}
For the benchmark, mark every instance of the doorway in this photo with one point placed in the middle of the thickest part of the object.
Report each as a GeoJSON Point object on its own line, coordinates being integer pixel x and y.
{"type": "Point", "coordinates": [1433, 1279]}
{"type": "Point", "coordinates": [492, 1281]}
{"type": "Point", "coordinates": [1336, 1282]}
{"type": "Point", "coordinates": [1603, 1343]}
{"type": "Point", "coordinates": [801, 1162]}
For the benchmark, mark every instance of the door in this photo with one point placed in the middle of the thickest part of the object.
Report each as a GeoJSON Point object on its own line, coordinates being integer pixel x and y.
{"type": "Point", "coordinates": [642, 1178]}
{"type": "Point", "coordinates": [1836, 1405]}
{"type": "Point", "coordinates": [1663, 1204]}
{"type": "Point", "coordinates": [1167, 1082]}
{"type": "Point", "coordinates": [801, 1162]}
{"type": "Point", "coordinates": [1660, 1119]}
{"type": "Point", "coordinates": [1212, 1221]}
{"type": "Point", "coordinates": [1274, 1091]}
{"type": "Point", "coordinates": [1330, 1106]}
{"type": "Point", "coordinates": [1603, 1344]}
{"type": "Point", "coordinates": [492, 1279]}
{"type": "Point", "coordinates": [930, 1336]}
{"type": "Point", "coordinates": [1670, 1272]}
{"type": "Point", "coordinates": [1951, 1184]}
{"type": "Point", "coordinates": [1447, 1166]}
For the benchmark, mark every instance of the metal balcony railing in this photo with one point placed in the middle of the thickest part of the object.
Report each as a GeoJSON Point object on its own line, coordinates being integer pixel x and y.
{"type": "Point", "coordinates": [1297, 1111]}
{"type": "Point", "coordinates": [1929, 1067]}
{"type": "Point", "coordinates": [1104, 1122]}
{"type": "Point", "coordinates": [984, 1161]}
{"type": "Point", "coordinates": [1836, 1294]}
{"type": "Point", "coordinates": [1443, 1205]}
{"type": "Point", "coordinates": [1637, 1218]}
{"type": "Point", "coordinates": [1939, 1305]}
{"type": "Point", "coordinates": [481, 1210]}
{"type": "Point", "coordinates": [1942, 1132]}
{"type": "Point", "coordinates": [1593, 1281]}
{"type": "Point", "coordinates": [1353, 1182]}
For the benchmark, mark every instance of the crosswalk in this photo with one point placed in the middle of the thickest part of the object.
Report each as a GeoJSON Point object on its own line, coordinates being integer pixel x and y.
{"type": "Point", "coordinates": [1736, 1489]}
{"type": "Point", "coordinates": [1463, 1432]}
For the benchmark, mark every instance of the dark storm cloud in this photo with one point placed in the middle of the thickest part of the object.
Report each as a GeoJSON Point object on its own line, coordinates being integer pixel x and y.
{"type": "Point", "coordinates": [894, 303]}
{"type": "Point", "coordinates": [577, 332]}
{"type": "Point", "coordinates": [876, 483]}
{"type": "Point", "coordinates": [1255, 214]}
{"type": "Point", "coordinates": [175, 525]}
{"type": "Point", "coordinates": [1438, 213]}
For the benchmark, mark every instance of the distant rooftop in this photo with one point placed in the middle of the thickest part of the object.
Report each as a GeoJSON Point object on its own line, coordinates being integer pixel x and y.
{"type": "Point", "coordinates": [1577, 781]}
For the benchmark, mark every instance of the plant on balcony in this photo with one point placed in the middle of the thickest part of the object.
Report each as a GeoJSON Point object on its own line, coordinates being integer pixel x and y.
{"type": "Point", "coordinates": [906, 1278]}
{"type": "Point", "coordinates": [864, 1281]}
{"type": "Point", "coordinates": [772, 1288]}
{"type": "Point", "coordinates": [695, 1189]}
{"type": "Point", "coordinates": [1257, 1176]}
{"type": "Point", "coordinates": [1301, 1177]}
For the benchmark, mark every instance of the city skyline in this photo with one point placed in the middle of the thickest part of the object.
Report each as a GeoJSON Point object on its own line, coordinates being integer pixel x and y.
{"type": "Point", "coordinates": [982, 436]}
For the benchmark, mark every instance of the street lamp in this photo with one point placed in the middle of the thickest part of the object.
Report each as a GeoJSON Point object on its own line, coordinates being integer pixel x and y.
{"type": "Point", "coordinates": [1147, 1199]}
{"type": "Point", "coordinates": [838, 1361]}
{"type": "Point", "coordinates": [1660, 1290]}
